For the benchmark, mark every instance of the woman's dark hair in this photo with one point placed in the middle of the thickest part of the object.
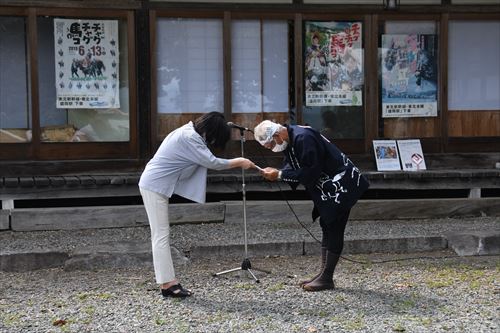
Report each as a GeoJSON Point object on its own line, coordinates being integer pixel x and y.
{"type": "Point", "coordinates": [213, 127]}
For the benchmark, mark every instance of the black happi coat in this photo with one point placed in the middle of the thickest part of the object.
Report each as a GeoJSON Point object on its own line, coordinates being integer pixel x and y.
{"type": "Point", "coordinates": [332, 180]}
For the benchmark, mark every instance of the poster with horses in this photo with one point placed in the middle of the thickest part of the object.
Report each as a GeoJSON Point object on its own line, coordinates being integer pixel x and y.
{"type": "Point", "coordinates": [409, 76]}
{"type": "Point", "coordinates": [87, 63]}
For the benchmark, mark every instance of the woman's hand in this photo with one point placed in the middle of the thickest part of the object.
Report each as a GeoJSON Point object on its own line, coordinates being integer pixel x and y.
{"type": "Point", "coordinates": [247, 164]}
{"type": "Point", "coordinates": [241, 162]}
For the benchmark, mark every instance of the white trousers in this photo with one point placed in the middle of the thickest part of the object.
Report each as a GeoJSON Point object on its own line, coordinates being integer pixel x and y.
{"type": "Point", "coordinates": [157, 210]}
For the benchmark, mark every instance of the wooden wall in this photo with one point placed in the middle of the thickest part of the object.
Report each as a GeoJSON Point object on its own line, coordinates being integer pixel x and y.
{"type": "Point", "coordinates": [459, 124]}
{"type": "Point", "coordinates": [411, 127]}
{"type": "Point", "coordinates": [473, 123]}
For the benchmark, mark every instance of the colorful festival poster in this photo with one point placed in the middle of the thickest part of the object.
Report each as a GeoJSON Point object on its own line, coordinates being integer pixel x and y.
{"type": "Point", "coordinates": [87, 63]}
{"type": "Point", "coordinates": [333, 63]}
{"type": "Point", "coordinates": [409, 76]}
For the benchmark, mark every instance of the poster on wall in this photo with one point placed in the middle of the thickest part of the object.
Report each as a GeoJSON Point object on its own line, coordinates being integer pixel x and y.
{"type": "Point", "coordinates": [412, 157]}
{"type": "Point", "coordinates": [386, 155]}
{"type": "Point", "coordinates": [333, 63]}
{"type": "Point", "coordinates": [409, 76]}
{"type": "Point", "coordinates": [86, 63]}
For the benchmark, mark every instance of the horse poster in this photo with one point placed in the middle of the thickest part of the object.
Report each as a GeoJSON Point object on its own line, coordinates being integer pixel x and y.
{"type": "Point", "coordinates": [333, 63]}
{"type": "Point", "coordinates": [409, 76]}
{"type": "Point", "coordinates": [87, 63]}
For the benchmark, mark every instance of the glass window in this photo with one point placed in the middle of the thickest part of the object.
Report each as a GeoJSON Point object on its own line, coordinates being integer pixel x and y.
{"type": "Point", "coordinates": [275, 66]}
{"type": "Point", "coordinates": [334, 78]}
{"type": "Point", "coordinates": [245, 67]}
{"type": "Point", "coordinates": [410, 27]}
{"type": "Point", "coordinates": [259, 67]}
{"type": "Point", "coordinates": [83, 80]}
{"type": "Point", "coordinates": [474, 66]}
{"type": "Point", "coordinates": [189, 65]}
{"type": "Point", "coordinates": [15, 115]}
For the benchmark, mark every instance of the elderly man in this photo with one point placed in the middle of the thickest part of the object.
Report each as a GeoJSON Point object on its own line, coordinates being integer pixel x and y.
{"type": "Point", "coordinates": [331, 179]}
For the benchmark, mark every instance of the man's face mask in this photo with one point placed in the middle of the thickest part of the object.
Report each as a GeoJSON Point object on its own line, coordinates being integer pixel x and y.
{"type": "Point", "coordinates": [265, 134]}
{"type": "Point", "coordinates": [278, 148]}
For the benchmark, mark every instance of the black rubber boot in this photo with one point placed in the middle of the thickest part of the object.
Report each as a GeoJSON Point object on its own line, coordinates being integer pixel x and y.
{"type": "Point", "coordinates": [323, 262]}
{"type": "Point", "coordinates": [325, 280]}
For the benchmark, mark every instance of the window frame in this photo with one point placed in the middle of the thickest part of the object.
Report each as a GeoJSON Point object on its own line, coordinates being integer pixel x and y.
{"type": "Point", "coordinates": [38, 150]}
{"type": "Point", "coordinates": [227, 18]}
{"type": "Point", "coordinates": [154, 14]}
{"type": "Point", "coordinates": [15, 151]}
{"type": "Point", "coordinates": [456, 143]}
{"type": "Point", "coordinates": [432, 144]}
{"type": "Point", "coordinates": [357, 145]}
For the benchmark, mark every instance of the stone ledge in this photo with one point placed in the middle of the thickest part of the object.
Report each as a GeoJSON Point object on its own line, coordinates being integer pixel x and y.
{"type": "Point", "coordinates": [118, 255]}
{"type": "Point", "coordinates": [138, 253]}
{"type": "Point", "coordinates": [475, 243]}
{"type": "Point", "coordinates": [4, 219]}
{"type": "Point", "coordinates": [231, 212]}
{"type": "Point", "coordinates": [28, 261]}
{"type": "Point", "coordinates": [295, 248]}
{"type": "Point", "coordinates": [70, 218]}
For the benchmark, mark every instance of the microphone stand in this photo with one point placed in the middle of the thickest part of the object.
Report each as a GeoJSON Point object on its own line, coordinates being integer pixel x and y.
{"type": "Point", "coordinates": [246, 265]}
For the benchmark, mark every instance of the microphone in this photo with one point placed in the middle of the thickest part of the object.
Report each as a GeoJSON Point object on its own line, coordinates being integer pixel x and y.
{"type": "Point", "coordinates": [241, 128]}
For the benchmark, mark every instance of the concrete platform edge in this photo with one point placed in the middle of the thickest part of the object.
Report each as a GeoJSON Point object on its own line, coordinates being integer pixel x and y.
{"type": "Point", "coordinates": [125, 255]}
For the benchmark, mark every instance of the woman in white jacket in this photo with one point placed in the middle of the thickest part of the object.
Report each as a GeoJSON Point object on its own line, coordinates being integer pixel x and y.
{"type": "Point", "coordinates": [180, 167]}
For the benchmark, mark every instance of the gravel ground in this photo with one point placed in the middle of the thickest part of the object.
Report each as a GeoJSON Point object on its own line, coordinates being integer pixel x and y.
{"type": "Point", "coordinates": [440, 294]}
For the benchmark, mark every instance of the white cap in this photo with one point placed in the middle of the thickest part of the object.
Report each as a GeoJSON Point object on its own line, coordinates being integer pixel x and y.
{"type": "Point", "coordinates": [264, 131]}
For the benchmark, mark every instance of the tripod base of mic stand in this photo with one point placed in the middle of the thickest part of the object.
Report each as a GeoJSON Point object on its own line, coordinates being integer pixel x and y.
{"type": "Point", "coordinates": [245, 266]}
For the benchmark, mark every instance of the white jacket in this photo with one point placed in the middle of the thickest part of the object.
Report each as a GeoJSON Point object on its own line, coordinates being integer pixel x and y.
{"type": "Point", "coordinates": [180, 165]}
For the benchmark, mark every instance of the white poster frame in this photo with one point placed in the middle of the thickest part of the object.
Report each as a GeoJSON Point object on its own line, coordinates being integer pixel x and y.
{"type": "Point", "coordinates": [411, 154]}
{"type": "Point", "coordinates": [87, 63]}
{"type": "Point", "coordinates": [386, 155]}
{"type": "Point", "coordinates": [409, 75]}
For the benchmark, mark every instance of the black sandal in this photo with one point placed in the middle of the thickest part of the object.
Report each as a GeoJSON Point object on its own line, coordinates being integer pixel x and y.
{"type": "Point", "coordinates": [176, 291]}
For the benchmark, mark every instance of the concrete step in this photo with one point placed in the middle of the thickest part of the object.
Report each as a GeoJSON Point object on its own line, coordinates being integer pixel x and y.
{"type": "Point", "coordinates": [480, 242]}
{"type": "Point", "coordinates": [126, 253]}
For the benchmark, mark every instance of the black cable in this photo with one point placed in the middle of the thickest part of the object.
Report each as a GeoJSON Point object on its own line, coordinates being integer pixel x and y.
{"type": "Point", "coordinates": [294, 214]}
{"type": "Point", "coordinates": [343, 257]}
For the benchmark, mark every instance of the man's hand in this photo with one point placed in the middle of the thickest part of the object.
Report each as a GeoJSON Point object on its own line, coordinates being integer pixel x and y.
{"type": "Point", "coordinates": [270, 173]}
